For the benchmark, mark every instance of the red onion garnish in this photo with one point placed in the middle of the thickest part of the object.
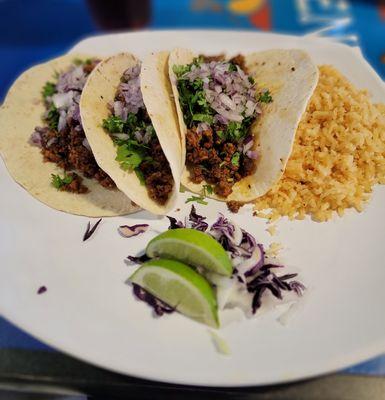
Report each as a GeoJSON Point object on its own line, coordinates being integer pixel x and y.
{"type": "Point", "coordinates": [252, 154]}
{"type": "Point", "coordinates": [86, 144]}
{"type": "Point", "coordinates": [35, 138]}
{"type": "Point", "coordinates": [230, 93]}
{"type": "Point", "coordinates": [134, 230]}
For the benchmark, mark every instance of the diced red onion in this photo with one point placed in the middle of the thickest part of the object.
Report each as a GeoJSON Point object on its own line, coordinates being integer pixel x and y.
{"type": "Point", "coordinates": [35, 138]}
{"type": "Point", "coordinates": [62, 120]}
{"type": "Point", "coordinates": [118, 108]}
{"type": "Point", "coordinates": [226, 101]}
{"type": "Point", "coordinates": [121, 136]}
{"type": "Point", "coordinates": [86, 144]}
{"type": "Point", "coordinates": [229, 93]}
{"type": "Point", "coordinates": [202, 126]}
{"type": "Point", "coordinates": [134, 230]}
{"type": "Point", "coordinates": [74, 79]}
{"type": "Point", "coordinates": [63, 100]}
{"type": "Point", "coordinates": [218, 118]}
{"type": "Point", "coordinates": [51, 141]}
{"type": "Point", "coordinates": [139, 136]}
{"type": "Point", "coordinates": [247, 145]}
{"type": "Point", "coordinates": [252, 154]}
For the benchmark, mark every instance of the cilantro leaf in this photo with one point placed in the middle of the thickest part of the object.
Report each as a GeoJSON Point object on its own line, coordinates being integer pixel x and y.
{"type": "Point", "coordinates": [49, 89]}
{"type": "Point", "coordinates": [52, 117]}
{"type": "Point", "coordinates": [232, 67]}
{"type": "Point", "coordinates": [58, 182]}
{"type": "Point", "coordinates": [265, 97]}
{"type": "Point", "coordinates": [251, 80]}
{"type": "Point", "coordinates": [235, 159]}
{"type": "Point", "coordinates": [180, 70]}
{"type": "Point", "coordinates": [198, 199]}
{"type": "Point", "coordinates": [203, 118]}
{"type": "Point", "coordinates": [207, 189]}
{"type": "Point", "coordinates": [113, 124]}
{"type": "Point", "coordinates": [128, 156]}
{"type": "Point", "coordinates": [198, 60]}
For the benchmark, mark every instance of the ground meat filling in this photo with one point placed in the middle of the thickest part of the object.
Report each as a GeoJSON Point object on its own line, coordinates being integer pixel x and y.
{"type": "Point", "coordinates": [69, 149]}
{"type": "Point", "coordinates": [66, 149]}
{"type": "Point", "coordinates": [234, 206]}
{"type": "Point", "coordinates": [209, 159]}
{"type": "Point", "coordinates": [75, 186]}
{"type": "Point", "coordinates": [157, 173]}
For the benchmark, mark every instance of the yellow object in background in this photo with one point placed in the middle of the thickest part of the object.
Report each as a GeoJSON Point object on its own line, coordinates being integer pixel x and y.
{"type": "Point", "coordinates": [245, 6]}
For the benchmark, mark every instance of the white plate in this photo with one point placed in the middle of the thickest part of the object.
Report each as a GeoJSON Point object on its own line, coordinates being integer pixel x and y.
{"type": "Point", "coordinates": [89, 311]}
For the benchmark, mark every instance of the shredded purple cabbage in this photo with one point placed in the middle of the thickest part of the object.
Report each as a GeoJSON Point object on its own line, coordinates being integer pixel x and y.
{"type": "Point", "coordinates": [248, 259]}
{"type": "Point", "coordinates": [159, 306]}
{"type": "Point", "coordinates": [196, 221]}
{"type": "Point", "coordinates": [41, 290]}
{"type": "Point", "coordinates": [90, 231]}
{"type": "Point", "coordinates": [268, 280]}
{"type": "Point", "coordinates": [138, 259]}
{"type": "Point", "coordinates": [134, 230]}
{"type": "Point", "coordinates": [174, 223]}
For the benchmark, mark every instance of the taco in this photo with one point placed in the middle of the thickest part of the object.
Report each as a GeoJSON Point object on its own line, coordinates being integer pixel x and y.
{"type": "Point", "coordinates": [43, 145]}
{"type": "Point", "coordinates": [238, 118]}
{"type": "Point", "coordinates": [129, 135]}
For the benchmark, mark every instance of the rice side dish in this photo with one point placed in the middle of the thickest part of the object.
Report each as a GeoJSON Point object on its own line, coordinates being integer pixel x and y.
{"type": "Point", "coordinates": [338, 155]}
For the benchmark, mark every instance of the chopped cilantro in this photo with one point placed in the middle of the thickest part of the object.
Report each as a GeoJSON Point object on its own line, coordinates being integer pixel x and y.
{"type": "Point", "coordinates": [235, 159]}
{"type": "Point", "coordinates": [203, 118]}
{"type": "Point", "coordinates": [113, 124]}
{"type": "Point", "coordinates": [221, 135]}
{"type": "Point", "coordinates": [180, 70]}
{"type": "Point", "coordinates": [49, 89]}
{"type": "Point", "coordinates": [235, 130]}
{"type": "Point", "coordinates": [198, 60]}
{"type": "Point", "coordinates": [265, 97]}
{"type": "Point", "coordinates": [251, 80]}
{"type": "Point", "coordinates": [53, 117]}
{"type": "Point", "coordinates": [207, 189]}
{"type": "Point", "coordinates": [198, 199]}
{"type": "Point", "coordinates": [232, 67]}
{"type": "Point", "coordinates": [59, 182]}
{"type": "Point", "coordinates": [140, 176]}
{"type": "Point", "coordinates": [129, 155]}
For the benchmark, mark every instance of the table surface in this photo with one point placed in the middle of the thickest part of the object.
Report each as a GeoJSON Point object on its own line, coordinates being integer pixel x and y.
{"type": "Point", "coordinates": [34, 31]}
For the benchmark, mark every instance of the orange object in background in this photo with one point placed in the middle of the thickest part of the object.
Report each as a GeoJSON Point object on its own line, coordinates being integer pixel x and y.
{"type": "Point", "coordinates": [259, 12]}
{"type": "Point", "coordinates": [262, 18]}
{"type": "Point", "coordinates": [245, 6]}
{"type": "Point", "coordinates": [381, 9]}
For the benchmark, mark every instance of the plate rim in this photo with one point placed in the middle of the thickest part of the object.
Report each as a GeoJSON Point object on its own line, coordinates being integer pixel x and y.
{"type": "Point", "coordinates": [361, 354]}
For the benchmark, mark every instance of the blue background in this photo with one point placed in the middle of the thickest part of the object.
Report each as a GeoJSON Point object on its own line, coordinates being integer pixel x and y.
{"type": "Point", "coordinates": [36, 30]}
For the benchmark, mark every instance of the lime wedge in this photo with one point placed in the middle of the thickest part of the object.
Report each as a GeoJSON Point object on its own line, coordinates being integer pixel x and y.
{"type": "Point", "coordinates": [180, 287]}
{"type": "Point", "coordinates": [192, 247]}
